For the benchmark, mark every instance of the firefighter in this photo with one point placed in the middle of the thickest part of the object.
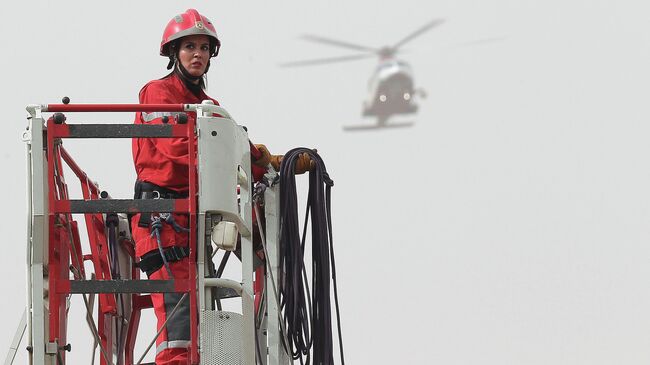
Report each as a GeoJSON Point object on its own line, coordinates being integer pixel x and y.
{"type": "Point", "coordinates": [189, 41]}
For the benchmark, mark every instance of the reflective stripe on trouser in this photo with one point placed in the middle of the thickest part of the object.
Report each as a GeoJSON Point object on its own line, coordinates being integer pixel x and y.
{"type": "Point", "coordinates": [173, 345]}
{"type": "Point", "coordinates": [174, 340]}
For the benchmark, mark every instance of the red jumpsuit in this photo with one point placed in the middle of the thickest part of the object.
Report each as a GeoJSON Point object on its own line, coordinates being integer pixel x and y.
{"type": "Point", "coordinates": [164, 162]}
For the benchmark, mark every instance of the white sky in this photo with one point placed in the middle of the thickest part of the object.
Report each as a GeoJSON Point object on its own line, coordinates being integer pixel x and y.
{"type": "Point", "coordinates": [508, 226]}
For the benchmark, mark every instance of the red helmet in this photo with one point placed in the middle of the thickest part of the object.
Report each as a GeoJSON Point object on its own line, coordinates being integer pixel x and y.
{"type": "Point", "coordinates": [189, 23]}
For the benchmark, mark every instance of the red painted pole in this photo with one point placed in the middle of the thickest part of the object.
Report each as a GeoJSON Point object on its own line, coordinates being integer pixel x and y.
{"type": "Point", "coordinates": [194, 321]}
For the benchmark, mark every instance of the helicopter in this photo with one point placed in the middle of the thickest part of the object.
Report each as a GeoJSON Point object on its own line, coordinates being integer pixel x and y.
{"type": "Point", "coordinates": [391, 88]}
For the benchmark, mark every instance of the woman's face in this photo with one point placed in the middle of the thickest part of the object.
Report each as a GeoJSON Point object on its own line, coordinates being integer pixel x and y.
{"type": "Point", "coordinates": [194, 54]}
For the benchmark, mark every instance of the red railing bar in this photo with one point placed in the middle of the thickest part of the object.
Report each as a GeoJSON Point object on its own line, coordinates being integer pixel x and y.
{"type": "Point", "coordinates": [114, 107]}
{"type": "Point", "coordinates": [78, 171]}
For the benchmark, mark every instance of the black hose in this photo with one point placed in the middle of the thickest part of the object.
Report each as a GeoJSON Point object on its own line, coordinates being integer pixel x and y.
{"type": "Point", "coordinates": [112, 224]}
{"type": "Point", "coordinates": [307, 314]}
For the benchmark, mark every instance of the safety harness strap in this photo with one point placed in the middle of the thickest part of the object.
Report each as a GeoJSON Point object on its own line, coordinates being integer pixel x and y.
{"type": "Point", "coordinates": [152, 261]}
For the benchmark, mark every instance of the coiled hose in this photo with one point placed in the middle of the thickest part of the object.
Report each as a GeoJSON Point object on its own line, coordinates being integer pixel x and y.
{"type": "Point", "coordinates": [307, 315]}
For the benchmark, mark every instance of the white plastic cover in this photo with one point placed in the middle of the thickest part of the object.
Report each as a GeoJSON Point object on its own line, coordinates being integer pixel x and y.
{"type": "Point", "coordinates": [224, 235]}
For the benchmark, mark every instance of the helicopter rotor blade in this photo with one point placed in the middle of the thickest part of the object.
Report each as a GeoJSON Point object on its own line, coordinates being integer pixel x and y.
{"type": "Point", "coordinates": [333, 42]}
{"type": "Point", "coordinates": [426, 27]}
{"type": "Point", "coordinates": [322, 61]}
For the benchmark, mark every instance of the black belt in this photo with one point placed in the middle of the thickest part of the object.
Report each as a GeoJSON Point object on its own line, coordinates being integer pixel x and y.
{"type": "Point", "coordinates": [147, 190]}
{"type": "Point", "coordinates": [152, 261]}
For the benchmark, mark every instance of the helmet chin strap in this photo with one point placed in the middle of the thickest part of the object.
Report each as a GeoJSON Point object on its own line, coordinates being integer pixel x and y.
{"type": "Point", "coordinates": [185, 74]}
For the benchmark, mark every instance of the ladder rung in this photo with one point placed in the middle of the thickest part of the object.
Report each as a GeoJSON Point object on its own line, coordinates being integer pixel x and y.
{"type": "Point", "coordinates": [124, 286]}
{"type": "Point", "coordinates": [119, 131]}
{"type": "Point", "coordinates": [121, 206]}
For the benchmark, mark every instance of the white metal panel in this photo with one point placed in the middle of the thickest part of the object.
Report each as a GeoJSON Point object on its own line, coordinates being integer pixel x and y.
{"type": "Point", "coordinates": [39, 244]}
{"type": "Point", "coordinates": [224, 166]}
{"type": "Point", "coordinates": [221, 341]}
{"type": "Point", "coordinates": [224, 162]}
{"type": "Point", "coordinates": [276, 353]}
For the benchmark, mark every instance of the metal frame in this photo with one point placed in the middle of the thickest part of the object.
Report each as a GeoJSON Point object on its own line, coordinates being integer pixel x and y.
{"type": "Point", "coordinates": [219, 180]}
{"type": "Point", "coordinates": [38, 236]}
{"type": "Point", "coordinates": [277, 354]}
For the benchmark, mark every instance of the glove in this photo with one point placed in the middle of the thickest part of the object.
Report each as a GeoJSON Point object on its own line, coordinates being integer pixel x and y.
{"type": "Point", "coordinates": [276, 161]}
{"type": "Point", "coordinates": [303, 164]}
{"type": "Point", "coordinates": [265, 156]}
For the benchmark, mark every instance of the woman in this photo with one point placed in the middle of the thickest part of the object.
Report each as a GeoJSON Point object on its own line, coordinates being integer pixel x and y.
{"type": "Point", "coordinates": [190, 41]}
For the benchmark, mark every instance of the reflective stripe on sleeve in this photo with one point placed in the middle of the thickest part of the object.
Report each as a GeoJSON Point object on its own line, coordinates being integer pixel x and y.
{"type": "Point", "coordinates": [148, 117]}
